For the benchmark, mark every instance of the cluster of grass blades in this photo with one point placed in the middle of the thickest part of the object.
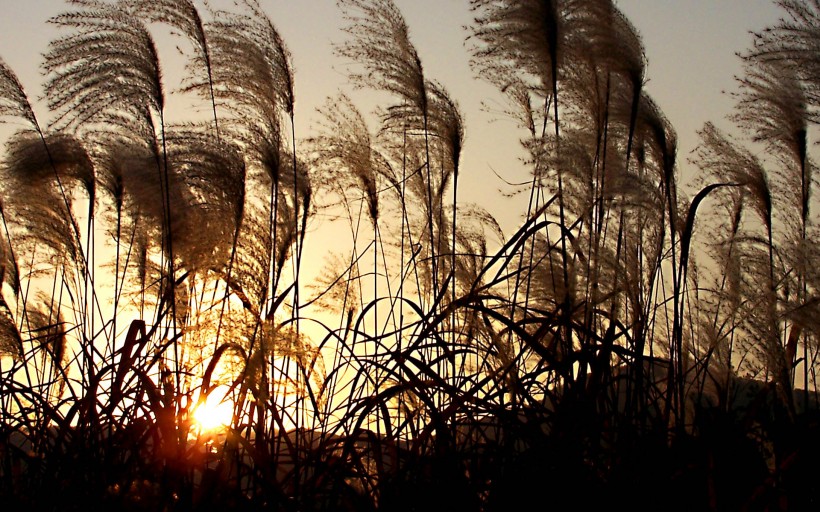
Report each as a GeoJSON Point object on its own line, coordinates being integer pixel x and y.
{"type": "Point", "coordinates": [151, 266]}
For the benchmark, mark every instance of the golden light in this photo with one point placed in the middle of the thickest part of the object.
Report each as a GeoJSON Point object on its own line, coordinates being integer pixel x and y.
{"type": "Point", "coordinates": [215, 413]}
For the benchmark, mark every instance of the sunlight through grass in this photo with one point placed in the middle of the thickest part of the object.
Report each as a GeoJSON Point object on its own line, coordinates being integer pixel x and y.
{"type": "Point", "coordinates": [215, 413]}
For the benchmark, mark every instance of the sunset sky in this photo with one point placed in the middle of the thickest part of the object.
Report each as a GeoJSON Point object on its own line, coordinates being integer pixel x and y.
{"type": "Point", "coordinates": [690, 47]}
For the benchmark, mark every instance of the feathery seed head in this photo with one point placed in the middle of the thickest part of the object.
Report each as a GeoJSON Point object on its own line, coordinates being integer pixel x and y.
{"type": "Point", "coordinates": [108, 63]}
{"type": "Point", "coordinates": [13, 99]}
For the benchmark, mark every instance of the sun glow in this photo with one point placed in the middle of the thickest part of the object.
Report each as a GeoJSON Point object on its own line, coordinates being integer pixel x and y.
{"type": "Point", "coordinates": [215, 413]}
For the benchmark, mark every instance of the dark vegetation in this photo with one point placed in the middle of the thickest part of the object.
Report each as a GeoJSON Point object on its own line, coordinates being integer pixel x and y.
{"type": "Point", "coordinates": [601, 354]}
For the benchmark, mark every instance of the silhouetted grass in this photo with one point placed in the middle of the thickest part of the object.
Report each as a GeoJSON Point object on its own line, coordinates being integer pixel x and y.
{"type": "Point", "coordinates": [624, 345]}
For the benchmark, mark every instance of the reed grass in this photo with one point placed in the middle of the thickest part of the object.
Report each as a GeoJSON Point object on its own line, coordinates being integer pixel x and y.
{"type": "Point", "coordinates": [625, 339]}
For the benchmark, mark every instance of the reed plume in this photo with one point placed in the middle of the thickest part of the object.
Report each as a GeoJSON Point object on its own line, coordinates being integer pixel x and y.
{"type": "Point", "coordinates": [379, 42]}
{"type": "Point", "coordinates": [109, 64]}
{"type": "Point", "coordinates": [521, 37]}
{"type": "Point", "coordinates": [33, 170]}
{"type": "Point", "coordinates": [775, 106]}
{"type": "Point", "coordinates": [13, 99]}
{"type": "Point", "coordinates": [346, 153]}
{"type": "Point", "coordinates": [728, 161]}
{"type": "Point", "coordinates": [184, 16]}
{"type": "Point", "coordinates": [793, 43]}
{"type": "Point", "coordinates": [214, 176]}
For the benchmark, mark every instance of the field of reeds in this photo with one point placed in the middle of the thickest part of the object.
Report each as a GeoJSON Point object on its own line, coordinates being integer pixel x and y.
{"type": "Point", "coordinates": [632, 342]}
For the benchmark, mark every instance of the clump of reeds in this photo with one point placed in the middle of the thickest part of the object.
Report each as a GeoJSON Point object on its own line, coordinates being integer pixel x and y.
{"type": "Point", "coordinates": [609, 343]}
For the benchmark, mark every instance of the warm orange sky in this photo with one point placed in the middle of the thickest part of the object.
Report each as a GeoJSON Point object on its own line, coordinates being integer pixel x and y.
{"type": "Point", "coordinates": [690, 45]}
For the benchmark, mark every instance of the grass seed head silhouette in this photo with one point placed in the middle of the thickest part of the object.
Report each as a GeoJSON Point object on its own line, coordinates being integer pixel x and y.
{"type": "Point", "coordinates": [520, 37]}
{"type": "Point", "coordinates": [108, 64]}
{"type": "Point", "coordinates": [13, 99]}
{"type": "Point", "coordinates": [346, 151]}
{"type": "Point", "coordinates": [380, 43]}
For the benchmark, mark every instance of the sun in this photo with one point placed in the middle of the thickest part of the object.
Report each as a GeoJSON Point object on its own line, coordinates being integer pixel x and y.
{"type": "Point", "coordinates": [216, 413]}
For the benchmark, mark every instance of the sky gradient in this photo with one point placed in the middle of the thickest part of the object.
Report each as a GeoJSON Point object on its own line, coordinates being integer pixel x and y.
{"type": "Point", "coordinates": [690, 47]}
